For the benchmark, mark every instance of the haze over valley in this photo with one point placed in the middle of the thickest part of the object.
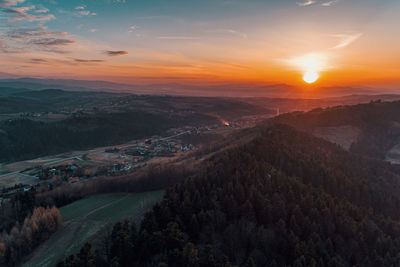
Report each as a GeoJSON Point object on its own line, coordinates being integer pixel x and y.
{"type": "Point", "coordinates": [201, 134]}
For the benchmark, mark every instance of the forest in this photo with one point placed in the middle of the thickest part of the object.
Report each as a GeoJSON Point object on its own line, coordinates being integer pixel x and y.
{"type": "Point", "coordinates": [285, 198]}
{"type": "Point", "coordinates": [377, 120]}
{"type": "Point", "coordinates": [23, 239]}
{"type": "Point", "coordinates": [26, 139]}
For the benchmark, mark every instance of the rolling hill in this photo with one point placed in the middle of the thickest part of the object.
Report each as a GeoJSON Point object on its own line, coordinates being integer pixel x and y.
{"type": "Point", "coordinates": [372, 128]}
{"type": "Point", "coordinates": [285, 198]}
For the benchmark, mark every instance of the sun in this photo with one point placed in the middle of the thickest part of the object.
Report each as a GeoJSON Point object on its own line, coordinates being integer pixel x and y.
{"type": "Point", "coordinates": [310, 76]}
{"type": "Point", "coordinates": [310, 65]}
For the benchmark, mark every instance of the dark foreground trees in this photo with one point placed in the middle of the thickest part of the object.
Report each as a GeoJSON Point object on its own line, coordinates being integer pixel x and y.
{"type": "Point", "coordinates": [22, 239]}
{"type": "Point", "coordinates": [284, 199]}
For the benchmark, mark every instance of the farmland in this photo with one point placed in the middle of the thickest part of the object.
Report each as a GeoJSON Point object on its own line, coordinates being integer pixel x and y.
{"type": "Point", "coordinates": [87, 218]}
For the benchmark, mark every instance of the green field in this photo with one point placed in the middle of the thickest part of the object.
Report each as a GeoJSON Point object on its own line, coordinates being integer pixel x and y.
{"type": "Point", "coordinates": [84, 219]}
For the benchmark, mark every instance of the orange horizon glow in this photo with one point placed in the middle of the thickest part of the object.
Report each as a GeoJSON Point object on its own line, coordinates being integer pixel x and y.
{"type": "Point", "coordinates": [305, 42]}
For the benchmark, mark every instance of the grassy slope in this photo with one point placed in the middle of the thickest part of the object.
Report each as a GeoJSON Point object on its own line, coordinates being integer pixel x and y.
{"type": "Point", "coordinates": [84, 219]}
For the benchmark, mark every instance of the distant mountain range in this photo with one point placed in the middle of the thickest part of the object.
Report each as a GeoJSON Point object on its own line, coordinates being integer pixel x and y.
{"type": "Point", "coordinates": [224, 90]}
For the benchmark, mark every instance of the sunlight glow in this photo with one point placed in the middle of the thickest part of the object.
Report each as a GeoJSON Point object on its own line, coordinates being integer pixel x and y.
{"type": "Point", "coordinates": [310, 65]}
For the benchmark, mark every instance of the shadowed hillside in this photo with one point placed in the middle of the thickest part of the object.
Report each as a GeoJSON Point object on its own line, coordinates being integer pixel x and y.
{"type": "Point", "coordinates": [284, 199]}
{"type": "Point", "coordinates": [375, 127]}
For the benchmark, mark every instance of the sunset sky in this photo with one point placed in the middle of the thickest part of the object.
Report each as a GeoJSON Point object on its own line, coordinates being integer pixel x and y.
{"type": "Point", "coordinates": [346, 42]}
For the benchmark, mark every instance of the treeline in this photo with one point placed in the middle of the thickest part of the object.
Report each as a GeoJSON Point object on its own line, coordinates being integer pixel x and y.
{"type": "Point", "coordinates": [15, 213]}
{"type": "Point", "coordinates": [25, 139]}
{"type": "Point", "coordinates": [284, 199]}
{"type": "Point", "coordinates": [16, 209]}
{"type": "Point", "coordinates": [154, 177]}
{"type": "Point", "coordinates": [22, 239]}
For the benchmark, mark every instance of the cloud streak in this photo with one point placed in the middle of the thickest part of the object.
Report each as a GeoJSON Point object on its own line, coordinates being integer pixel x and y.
{"type": "Point", "coordinates": [112, 53]}
{"type": "Point", "coordinates": [9, 8]}
{"type": "Point", "coordinates": [52, 42]}
{"type": "Point", "coordinates": [38, 61]}
{"type": "Point", "coordinates": [32, 32]}
{"type": "Point", "coordinates": [330, 3]}
{"type": "Point", "coordinates": [177, 38]}
{"type": "Point", "coordinates": [231, 31]}
{"type": "Point", "coordinates": [346, 39]}
{"type": "Point", "coordinates": [82, 11]}
{"type": "Point", "coordinates": [306, 3]}
{"type": "Point", "coordinates": [28, 39]}
{"type": "Point", "coordinates": [315, 2]}
{"type": "Point", "coordinates": [8, 3]}
{"type": "Point", "coordinates": [42, 10]}
{"type": "Point", "coordinates": [79, 60]}
{"type": "Point", "coordinates": [20, 13]}
{"type": "Point", "coordinates": [132, 28]}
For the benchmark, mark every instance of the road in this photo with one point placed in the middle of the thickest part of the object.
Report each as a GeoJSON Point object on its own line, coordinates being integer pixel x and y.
{"type": "Point", "coordinates": [10, 173]}
{"type": "Point", "coordinates": [79, 157]}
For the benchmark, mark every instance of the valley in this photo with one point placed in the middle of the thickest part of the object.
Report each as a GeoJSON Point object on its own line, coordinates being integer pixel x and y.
{"type": "Point", "coordinates": [114, 158]}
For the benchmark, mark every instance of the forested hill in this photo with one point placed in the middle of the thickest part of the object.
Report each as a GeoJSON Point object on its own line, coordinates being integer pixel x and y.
{"type": "Point", "coordinates": [378, 124]}
{"type": "Point", "coordinates": [284, 199]}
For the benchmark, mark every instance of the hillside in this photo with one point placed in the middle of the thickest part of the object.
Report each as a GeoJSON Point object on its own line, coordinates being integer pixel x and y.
{"type": "Point", "coordinates": [48, 122]}
{"type": "Point", "coordinates": [284, 199]}
{"type": "Point", "coordinates": [85, 219]}
{"type": "Point", "coordinates": [368, 129]}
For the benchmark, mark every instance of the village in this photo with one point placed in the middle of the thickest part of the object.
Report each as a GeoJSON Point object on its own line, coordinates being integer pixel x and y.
{"type": "Point", "coordinates": [79, 166]}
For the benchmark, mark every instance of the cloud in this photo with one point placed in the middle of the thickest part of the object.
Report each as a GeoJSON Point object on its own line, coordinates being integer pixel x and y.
{"type": "Point", "coordinates": [42, 10]}
{"type": "Point", "coordinates": [88, 60]}
{"type": "Point", "coordinates": [32, 32]}
{"type": "Point", "coordinates": [153, 17]}
{"type": "Point", "coordinates": [314, 2]}
{"type": "Point", "coordinates": [6, 49]}
{"type": "Point", "coordinates": [38, 61]}
{"type": "Point", "coordinates": [8, 3]}
{"type": "Point", "coordinates": [346, 39]}
{"type": "Point", "coordinates": [116, 53]}
{"type": "Point", "coordinates": [231, 31]}
{"type": "Point", "coordinates": [306, 3]}
{"type": "Point", "coordinates": [37, 39]}
{"type": "Point", "coordinates": [20, 13]}
{"type": "Point", "coordinates": [178, 38]}
{"type": "Point", "coordinates": [329, 3]}
{"type": "Point", "coordinates": [20, 10]}
{"type": "Point", "coordinates": [132, 28]}
{"type": "Point", "coordinates": [52, 42]}
{"type": "Point", "coordinates": [83, 12]}
{"type": "Point", "coordinates": [93, 30]}
{"type": "Point", "coordinates": [3, 46]}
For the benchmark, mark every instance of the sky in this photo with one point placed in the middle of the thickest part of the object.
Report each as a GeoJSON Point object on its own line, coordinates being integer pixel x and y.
{"type": "Point", "coordinates": [342, 42]}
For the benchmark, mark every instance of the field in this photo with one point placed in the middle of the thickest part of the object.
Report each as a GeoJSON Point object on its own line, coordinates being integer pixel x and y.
{"type": "Point", "coordinates": [344, 135]}
{"type": "Point", "coordinates": [86, 218]}
{"type": "Point", "coordinates": [17, 178]}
